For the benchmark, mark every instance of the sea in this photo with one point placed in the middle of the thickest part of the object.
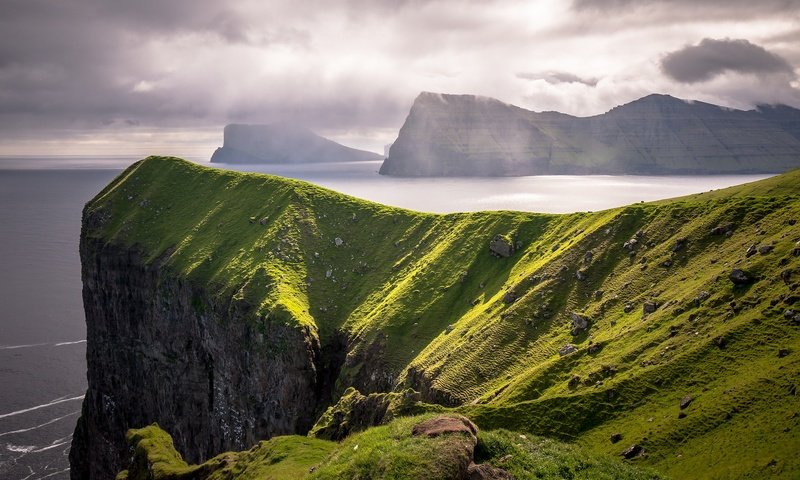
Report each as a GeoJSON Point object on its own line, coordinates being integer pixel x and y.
{"type": "Point", "coordinates": [42, 328]}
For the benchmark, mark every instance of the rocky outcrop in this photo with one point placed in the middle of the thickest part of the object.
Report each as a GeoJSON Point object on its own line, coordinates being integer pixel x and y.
{"type": "Point", "coordinates": [468, 135]}
{"type": "Point", "coordinates": [283, 144]}
{"type": "Point", "coordinates": [159, 350]}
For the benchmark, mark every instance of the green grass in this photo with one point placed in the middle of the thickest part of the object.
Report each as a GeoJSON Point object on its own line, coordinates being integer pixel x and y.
{"type": "Point", "coordinates": [424, 299]}
{"type": "Point", "coordinates": [384, 452]}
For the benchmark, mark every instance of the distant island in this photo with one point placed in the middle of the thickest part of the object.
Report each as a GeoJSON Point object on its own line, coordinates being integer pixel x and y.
{"type": "Point", "coordinates": [280, 143]}
{"type": "Point", "coordinates": [468, 135]}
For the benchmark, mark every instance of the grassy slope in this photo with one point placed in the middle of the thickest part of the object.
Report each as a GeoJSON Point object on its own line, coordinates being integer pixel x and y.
{"type": "Point", "coordinates": [400, 274]}
{"type": "Point", "coordinates": [385, 452]}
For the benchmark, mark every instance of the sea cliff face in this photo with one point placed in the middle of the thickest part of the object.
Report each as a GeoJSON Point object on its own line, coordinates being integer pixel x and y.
{"type": "Point", "coordinates": [161, 350]}
{"type": "Point", "coordinates": [468, 135]}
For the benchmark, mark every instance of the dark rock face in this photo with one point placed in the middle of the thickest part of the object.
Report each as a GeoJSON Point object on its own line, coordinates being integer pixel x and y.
{"type": "Point", "coordinates": [283, 144]}
{"type": "Point", "coordinates": [500, 246]}
{"type": "Point", "coordinates": [467, 135]}
{"type": "Point", "coordinates": [159, 350]}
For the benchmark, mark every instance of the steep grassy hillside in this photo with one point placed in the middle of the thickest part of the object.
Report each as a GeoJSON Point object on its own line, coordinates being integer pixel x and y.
{"type": "Point", "coordinates": [597, 324]}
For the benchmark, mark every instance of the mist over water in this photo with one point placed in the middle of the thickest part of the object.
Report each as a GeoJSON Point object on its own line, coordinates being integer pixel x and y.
{"type": "Point", "coordinates": [42, 328]}
{"type": "Point", "coordinates": [545, 194]}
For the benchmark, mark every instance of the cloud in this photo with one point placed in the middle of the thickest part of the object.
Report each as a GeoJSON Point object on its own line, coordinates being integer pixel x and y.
{"type": "Point", "coordinates": [351, 69]}
{"type": "Point", "coordinates": [555, 77]}
{"type": "Point", "coordinates": [711, 58]}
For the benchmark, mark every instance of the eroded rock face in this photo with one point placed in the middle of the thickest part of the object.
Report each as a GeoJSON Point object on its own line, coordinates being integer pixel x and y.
{"type": "Point", "coordinates": [159, 350]}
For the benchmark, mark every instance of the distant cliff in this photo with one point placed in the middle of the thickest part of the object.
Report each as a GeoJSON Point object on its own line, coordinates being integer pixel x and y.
{"type": "Point", "coordinates": [467, 135]}
{"type": "Point", "coordinates": [283, 144]}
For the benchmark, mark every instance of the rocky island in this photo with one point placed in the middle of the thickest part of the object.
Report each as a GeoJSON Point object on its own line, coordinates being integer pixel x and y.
{"type": "Point", "coordinates": [279, 143]}
{"type": "Point", "coordinates": [468, 135]}
{"type": "Point", "coordinates": [276, 329]}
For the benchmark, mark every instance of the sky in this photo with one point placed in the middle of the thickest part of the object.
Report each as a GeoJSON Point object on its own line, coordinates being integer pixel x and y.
{"type": "Point", "coordinates": [116, 77]}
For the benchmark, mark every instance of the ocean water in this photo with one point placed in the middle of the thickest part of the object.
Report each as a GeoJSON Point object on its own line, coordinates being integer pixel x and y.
{"type": "Point", "coordinates": [42, 330]}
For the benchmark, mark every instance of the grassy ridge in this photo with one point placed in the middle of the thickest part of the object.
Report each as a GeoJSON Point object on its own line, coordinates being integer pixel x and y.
{"type": "Point", "coordinates": [423, 292]}
{"type": "Point", "coordinates": [385, 452]}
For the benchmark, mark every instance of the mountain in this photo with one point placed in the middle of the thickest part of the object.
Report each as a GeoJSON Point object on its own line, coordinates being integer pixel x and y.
{"type": "Point", "coordinates": [467, 135]}
{"type": "Point", "coordinates": [283, 144]}
{"type": "Point", "coordinates": [230, 308]}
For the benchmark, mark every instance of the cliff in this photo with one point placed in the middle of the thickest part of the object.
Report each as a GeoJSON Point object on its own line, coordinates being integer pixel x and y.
{"type": "Point", "coordinates": [232, 307]}
{"type": "Point", "coordinates": [283, 144]}
{"type": "Point", "coordinates": [467, 135]}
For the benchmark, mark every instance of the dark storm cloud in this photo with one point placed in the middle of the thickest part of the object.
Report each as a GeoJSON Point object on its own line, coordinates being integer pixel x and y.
{"type": "Point", "coordinates": [555, 77]}
{"type": "Point", "coordinates": [710, 58]}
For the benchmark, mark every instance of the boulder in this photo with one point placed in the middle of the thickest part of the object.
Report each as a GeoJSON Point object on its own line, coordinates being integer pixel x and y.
{"type": "Point", "coordinates": [628, 308]}
{"type": "Point", "coordinates": [649, 307]}
{"type": "Point", "coordinates": [446, 425]}
{"type": "Point", "coordinates": [739, 277]}
{"type": "Point", "coordinates": [765, 249]}
{"type": "Point", "coordinates": [581, 275]}
{"type": "Point", "coordinates": [792, 315]}
{"type": "Point", "coordinates": [632, 452]}
{"type": "Point", "coordinates": [574, 381]}
{"type": "Point", "coordinates": [501, 246]}
{"type": "Point", "coordinates": [786, 276]}
{"type": "Point", "coordinates": [588, 256]}
{"type": "Point", "coordinates": [487, 472]}
{"type": "Point", "coordinates": [751, 250]}
{"type": "Point", "coordinates": [726, 229]}
{"type": "Point", "coordinates": [615, 437]}
{"type": "Point", "coordinates": [567, 349]}
{"type": "Point", "coordinates": [579, 322]}
{"type": "Point", "coordinates": [338, 241]}
{"type": "Point", "coordinates": [630, 245]}
{"type": "Point", "coordinates": [680, 244]}
{"type": "Point", "coordinates": [686, 401]}
{"type": "Point", "coordinates": [510, 297]}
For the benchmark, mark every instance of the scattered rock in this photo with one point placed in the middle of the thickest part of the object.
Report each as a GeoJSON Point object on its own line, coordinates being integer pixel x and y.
{"type": "Point", "coordinates": [487, 472]}
{"type": "Point", "coordinates": [649, 307]}
{"type": "Point", "coordinates": [783, 352]}
{"type": "Point", "coordinates": [792, 315]}
{"type": "Point", "coordinates": [765, 249]}
{"type": "Point", "coordinates": [786, 276]}
{"type": "Point", "coordinates": [501, 246]}
{"type": "Point", "coordinates": [448, 329]}
{"type": "Point", "coordinates": [701, 297]}
{"type": "Point", "coordinates": [681, 414]}
{"type": "Point", "coordinates": [680, 244]}
{"type": "Point", "coordinates": [263, 221]}
{"type": "Point", "coordinates": [338, 241]}
{"type": "Point", "coordinates": [726, 229]}
{"type": "Point", "coordinates": [686, 401]}
{"type": "Point", "coordinates": [751, 250]}
{"type": "Point", "coordinates": [666, 263]}
{"type": "Point", "coordinates": [630, 245]}
{"type": "Point", "coordinates": [581, 275]}
{"type": "Point", "coordinates": [579, 322]}
{"type": "Point", "coordinates": [567, 349]}
{"type": "Point", "coordinates": [739, 277]}
{"type": "Point", "coordinates": [615, 437]}
{"type": "Point", "coordinates": [628, 308]}
{"type": "Point", "coordinates": [574, 381]}
{"type": "Point", "coordinates": [796, 250]}
{"type": "Point", "coordinates": [598, 294]}
{"type": "Point", "coordinates": [632, 452]}
{"type": "Point", "coordinates": [720, 341]}
{"type": "Point", "coordinates": [593, 348]}
{"type": "Point", "coordinates": [588, 257]}
{"type": "Point", "coordinates": [510, 297]}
